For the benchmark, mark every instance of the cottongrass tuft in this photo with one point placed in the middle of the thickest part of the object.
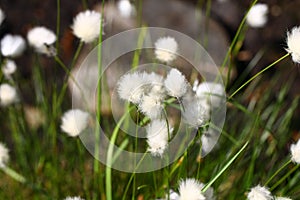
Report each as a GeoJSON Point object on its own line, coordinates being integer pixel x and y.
{"type": "Point", "coordinates": [8, 68]}
{"type": "Point", "coordinates": [175, 83]}
{"type": "Point", "coordinates": [86, 25]}
{"type": "Point", "coordinates": [293, 41]}
{"type": "Point", "coordinates": [74, 122]}
{"type": "Point", "coordinates": [4, 157]}
{"type": "Point", "coordinates": [42, 38]}
{"type": "Point", "coordinates": [73, 198]}
{"type": "Point", "coordinates": [8, 94]}
{"type": "Point", "coordinates": [125, 8]}
{"type": "Point", "coordinates": [257, 16]}
{"type": "Point", "coordinates": [213, 93]}
{"type": "Point", "coordinates": [190, 189]}
{"type": "Point", "coordinates": [12, 45]}
{"type": "Point", "coordinates": [152, 105]}
{"type": "Point", "coordinates": [295, 151]}
{"type": "Point", "coordinates": [259, 193]}
{"type": "Point", "coordinates": [166, 49]}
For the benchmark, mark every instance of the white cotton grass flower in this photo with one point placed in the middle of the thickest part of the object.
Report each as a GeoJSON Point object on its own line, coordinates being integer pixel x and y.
{"type": "Point", "coordinates": [12, 45]}
{"type": "Point", "coordinates": [73, 198]}
{"type": "Point", "coordinates": [295, 151]}
{"type": "Point", "coordinates": [175, 83]}
{"type": "Point", "coordinates": [208, 141]}
{"type": "Point", "coordinates": [293, 41]}
{"type": "Point", "coordinates": [4, 156]}
{"type": "Point", "coordinates": [74, 122]}
{"type": "Point", "coordinates": [151, 105]}
{"type": "Point", "coordinates": [8, 68]}
{"type": "Point", "coordinates": [125, 8]}
{"type": "Point", "coordinates": [190, 189]}
{"type": "Point", "coordinates": [8, 94]}
{"type": "Point", "coordinates": [42, 39]}
{"type": "Point", "coordinates": [2, 16]}
{"type": "Point", "coordinates": [259, 193]}
{"type": "Point", "coordinates": [157, 137]}
{"type": "Point", "coordinates": [282, 198]}
{"type": "Point", "coordinates": [166, 49]}
{"type": "Point", "coordinates": [86, 25]}
{"type": "Point", "coordinates": [214, 93]}
{"type": "Point", "coordinates": [257, 16]}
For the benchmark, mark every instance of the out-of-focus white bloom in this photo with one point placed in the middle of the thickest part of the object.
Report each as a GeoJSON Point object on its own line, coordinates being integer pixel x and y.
{"type": "Point", "coordinates": [4, 157]}
{"type": "Point", "coordinates": [74, 122]}
{"type": "Point", "coordinates": [125, 8]}
{"type": "Point", "coordinates": [42, 39]}
{"type": "Point", "coordinates": [259, 193]}
{"type": "Point", "coordinates": [151, 105]}
{"type": "Point", "coordinates": [73, 198]}
{"type": "Point", "coordinates": [166, 49]}
{"type": "Point", "coordinates": [190, 189]}
{"type": "Point", "coordinates": [282, 198]}
{"type": "Point", "coordinates": [295, 151]}
{"type": "Point", "coordinates": [214, 93]}
{"type": "Point", "coordinates": [12, 45]}
{"type": "Point", "coordinates": [293, 41]}
{"type": "Point", "coordinates": [157, 137]}
{"type": "Point", "coordinates": [9, 67]}
{"type": "Point", "coordinates": [175, 83]}
{"type": "Point", "coordinates": [208, 141]}
{"type": "Point", "coordinates": [257, 16]}
{"type": "Point", "coordinates": [2, 16]}
{"type": "Point", "coordinates": [86, 25]}
{"type": "Point", "coordinates": [8, 94]}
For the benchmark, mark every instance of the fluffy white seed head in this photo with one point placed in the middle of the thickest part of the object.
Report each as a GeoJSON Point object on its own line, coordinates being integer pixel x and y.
{"type": "Point", "coordinates": [166, 49]}
{"type": "Point", "coordinates": [282, 198]}
{"type": "Point", "coordinates": [151, 105]}
{"type": "Point", "coordinates": [41, 38]}
{"type": "Point", "coordinates": [9, 67]}
{"type": "Point", "coordinates": [8, 94]}
{"type": "Point", "coordinates": [213, 93]}
{"type": "Point", "coordinates": [125, 8]}
{"type": "Point", "coordinates": [295, 151]}
{"type": "Point", "coordinates": [73, 198]}
{"type": "Point", "coordinates": [293, 41]}
{"type": "Point", "coordinates": [259, 193]}
{"type": "Point", "coordinates": [190, 189]}
{"type": "Point", "coordinates": [2, 16]}
{"type": "Point", "coordinates": [157, 137]}
{"type": "Point", "coordinates": [74, 122]}
{"type": "Point", "coordinates": [4, 156]}
{"type": "Point", "coordinates": [175, 83]}
{"type": "Point", "coordinates": [12, 45]}
{"type": "Point", "coordinates": [86, 25]}
{"type": "Point", "coordinates": [257, 16]}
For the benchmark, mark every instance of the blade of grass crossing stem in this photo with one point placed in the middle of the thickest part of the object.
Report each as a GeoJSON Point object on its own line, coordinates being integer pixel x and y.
{"type": "Point", "coordinates": [225, 167]}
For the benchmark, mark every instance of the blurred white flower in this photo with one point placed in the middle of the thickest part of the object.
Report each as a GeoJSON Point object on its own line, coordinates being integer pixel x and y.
{"type": "Point", "coordinates": [282, 198]}
{"type": "Point", "coordinates": [295, 151]}
{"type": "Point", "coordinates": [175, 83]}
{"type": "Point", "coordinates": [125, 8]}
{"type": "Point", "coordinates": [4, 157]}
{"type": "Point", "coordinates": [42, 39]}
{"type": "Point", "coordinates": [213, 93]}
{"type": "Point", "coordinates": [8, 94]}
{"type": "Point", "coordinates": [12, 45]}
{"type": "Point", "coordinates": [259, 193]}
{"type": "Point", "coordinates": [293, 41]}
{"type": "Point", "coordinates": [157, 137]}
{"type": "Point", "coordinates": [166, 49]}
{"type": "Point", "coordinates": [190, 189]}
{"type": "Point", "coordinates": [208, 141]}
{"type": "Point", "coordinates": [86, 25]}
{"type": "Point", "coordinates": [2, 16]}
{"type": "Point", "coordinates": [73, 198]}
{"type": "Point", "coordinates": [9, 67]}
{"type": "Point", "coordinates": [74, 122]}
{"type": "Point", "coordinates": [257, 16]}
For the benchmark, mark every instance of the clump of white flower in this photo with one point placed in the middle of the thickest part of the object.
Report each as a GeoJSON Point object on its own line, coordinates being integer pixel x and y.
{"type": "Point", "coordinates": [8, 94]}
{"type": "Point", "coordinates": [166, 49]}
{"type": "Point", "coordinates": [157, 137]}
{"type": "Point", "coordinates": [86, 25]}
{"type": "Point", "coordinates": [295, 151]}
{"type": "Point", "coordinates": [208, 140]}
{"type": "Point", "coordinates": [257, 16]}
{"type": "Point", "coordinates": [42, 39]}
{"type": "Point", "coordinates": [74, 122]}
{"type": "Point", "coordinates": [282, 198]}
{"type": "Point", "coordinates": [125, 8]}
{"type": "Point", "coordinates": [175, 83]}
{"type": "Point", "coordinates": [190, 189]}
{"type": "Point", "coordinates": [4, 157]}
{"type": "Point", "coordinates": [2, 16]}
{"type": "Point", "coordinates": [8, 68]}
{"type": "Point", "coordinates": [152, 105]}
{"type": "Point", "coordinates": [259, 193]}
{"type": "Point", "coordinates": [213, 93]}
{"type": "Point", "coordinates": [293, 41]}
{"type": "Point", "coordinates": [73, 198]}
{"type": "Point", "coordinates": [12, 45]}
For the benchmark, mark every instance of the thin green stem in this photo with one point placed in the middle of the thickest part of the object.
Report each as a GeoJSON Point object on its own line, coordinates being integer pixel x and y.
{"type": "Point", "coordinates": [278, 171]}
{"type": "Point", "coordinates": [285, 177]}
{"type": "Point", "coordinates": [12, 173]}
{"type": "Point", "coordinates": [257, 74]}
